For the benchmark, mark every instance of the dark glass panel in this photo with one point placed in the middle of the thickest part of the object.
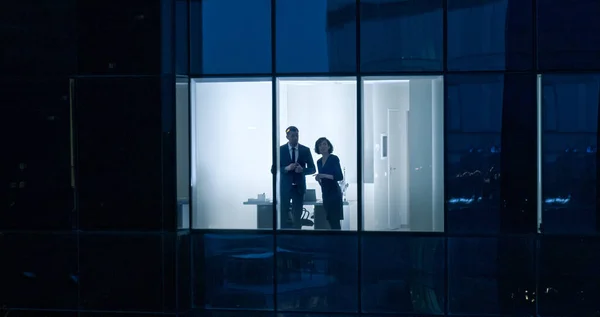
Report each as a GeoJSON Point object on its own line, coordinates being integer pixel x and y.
{"type": "Point", "coordinates": [38, 37]}
{"type": "Point", "coordinates": [317, 273]}
{"type": "Point", "coordinates": [119, 153]}
{"type": "Point", "coordinates": [491, 153]}
{"type": "Point", "coordinates": [119, 37]}
{"type": "Point", "coordinates": [38, 271]}
{"type": "Point", "coordinates": [568, 34]}
{"type": "Point", "coordinates": [570, 153]}
{"type": "Point", "coordinates": [121, 272]}
{"type": "Point", "coordinates": [230, 37]}
{"type": "Point", "coordinates": [490, 35]}
{"type": "Point", "coordinates": [182, 40]}
{"type": "Point", "coordinates": [36, 193]}
{"type": "Point", "coordinates": [569, 276]}
{"type": "Point", "coordinates": [403, 275]}
{"type": "Point", "coordinates": [491, 276]}
{"type": "Point", "coordinates": [316, 36]}
{"type": "Point", "coordinates": [401, 35]}
{"type": "Point", "coordinates": [233, 271]}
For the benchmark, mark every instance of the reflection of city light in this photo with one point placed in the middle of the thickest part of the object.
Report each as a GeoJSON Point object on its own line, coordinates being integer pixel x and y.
{"type": "Point", "coordinates": [464, 200]}
{"type": "Point", "coordinates": [558, 200]}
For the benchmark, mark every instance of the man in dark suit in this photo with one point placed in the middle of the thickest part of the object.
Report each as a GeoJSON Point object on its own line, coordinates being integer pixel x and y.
{"type": "Point", "coordinates": [295, 162]}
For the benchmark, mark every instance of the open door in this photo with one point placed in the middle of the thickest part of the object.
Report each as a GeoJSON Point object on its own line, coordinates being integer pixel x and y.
{"type": "Point", "coordinates": [398, 195]}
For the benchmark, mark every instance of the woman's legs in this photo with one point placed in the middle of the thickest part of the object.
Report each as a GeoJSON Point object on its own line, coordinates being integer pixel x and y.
{"type": "Point", "coordinates": [334, 224]}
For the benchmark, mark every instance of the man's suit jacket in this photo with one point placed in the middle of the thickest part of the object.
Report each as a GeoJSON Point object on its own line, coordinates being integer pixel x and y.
{"type": "Point", "coordinates": [304, 159]}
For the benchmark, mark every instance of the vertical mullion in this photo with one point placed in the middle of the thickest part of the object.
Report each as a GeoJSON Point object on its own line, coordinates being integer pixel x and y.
{"type": "Point", "coordinates": [359, 158]}
{"type": "Point", "coordinates": [444, 99]}
{"type": "Point", "coordinates": [274, 143]}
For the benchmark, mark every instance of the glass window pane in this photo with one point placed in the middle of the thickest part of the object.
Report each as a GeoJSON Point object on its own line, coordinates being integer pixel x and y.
{"type": "Point", "coordinates": [403, 153]}
{"type": "Point", "coordinates": [568, 34]}
{"type": "Point", "coordinates": [490, 34]}
{"type": "Point", "coordinates": [233, 271]}
{"type": "Point", "coordinates": [491, 276]}
{"type": "Point", "coordinates": [569, 277]}
{"type": "Point", "coordinates": [232, 154]}
{"type": "Point", "coordinates": [318, 108]}
{"type": "Point", "coordinates": [317, 273]}
{"type": "Point", "coordinates": [401, 35]}
{"type": "Point", "coordinates": [491, 153]}
{"type": "Point", "coordinates": [182, 40]}
{"type": "Point", "coordinates": [403, 275]}
{"type": "Point", "coordinates": [316, 36]}
{"type": "Point", "coordinates": [231, 37]}
{"type": "Point", "coordinates": [569, 152]}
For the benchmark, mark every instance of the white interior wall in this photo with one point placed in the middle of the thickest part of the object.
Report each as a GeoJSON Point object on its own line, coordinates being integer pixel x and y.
{"type": "Point", "coordinates": [324, 109]}
{"type": "Point", "coordinates": [232, 152]}
{"type": "Point", "coordinates": [424, 98]}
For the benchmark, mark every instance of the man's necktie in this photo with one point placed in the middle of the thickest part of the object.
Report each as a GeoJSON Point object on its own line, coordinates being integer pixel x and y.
{"type": "Point", "coordinates": [293, 155]}
{"type": "Point", "coordinates": [294, 176]}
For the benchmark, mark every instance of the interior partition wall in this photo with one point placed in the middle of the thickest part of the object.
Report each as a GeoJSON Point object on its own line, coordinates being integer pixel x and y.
{"type": "Point", "coordinates": [451, 122]}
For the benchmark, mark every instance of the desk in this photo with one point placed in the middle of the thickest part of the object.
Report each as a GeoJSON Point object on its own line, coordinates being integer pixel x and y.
{"type": "Point", "coordinates": [264, 214]}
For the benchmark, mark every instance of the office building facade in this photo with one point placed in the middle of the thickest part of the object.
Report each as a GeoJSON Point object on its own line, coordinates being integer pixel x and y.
{"type": "Point", "coordinates": [144, 143]}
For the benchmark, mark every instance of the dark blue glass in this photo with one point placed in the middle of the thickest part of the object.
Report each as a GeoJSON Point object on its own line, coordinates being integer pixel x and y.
{"type": "Point", "coordinates": [230, 37]}
{"type": "Point", "coordinates": [491, 276]}
{"type": "Point", "coordinates": [121, 272]}
{"type": "Point", "coordinates": [41, 313]}
{"type": "Point", "coordinates": [317, 272]}
{"type": "Point", "coordinates": [39, 38]}
{"type": "Point", "coordinates": [569, 153]}
{"type": "Point", "coordinates": [568, 276]}
{"type": "Point", "coordinates": [119, 37]}
{"type": "Point", "coordinates": [568, 34]}
{"type": "Point", "coordinates": [182, 40]}
{"type": "Point", "coordinates": [316, 36]}
{"type": "Point", "coordinates": [401, 35]}
{"type": "Point", "coordinates": [177, 272]}
{"type": "Point", "coordinates": [38, 271]}
{"type": "Point", "coordinates": [249, 313]}
{"type": "Point", "coordinates": [233, 271]}
{"type": "Point", "coordinates": [403, 275]}
{"type": "Point", "coordinates": [36, 172]}
{"type": "Point", "coordinates": [491, 158]}
{"type": "Point", "coordinates": [490, 35]}
{"type": "Point", "coordinates": [119, 154]}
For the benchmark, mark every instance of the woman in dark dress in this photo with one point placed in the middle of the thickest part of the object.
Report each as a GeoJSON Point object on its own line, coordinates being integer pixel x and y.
{"type": "Point", "coordinates": [329, 174]}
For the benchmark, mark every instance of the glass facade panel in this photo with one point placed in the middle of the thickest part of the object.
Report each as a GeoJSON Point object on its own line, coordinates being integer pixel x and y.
{"type": "Point", "coordinates": [491, 153]}
{"type": "Point", "coordinates": [236, 271]}
{"type": "Point", "coordinates": [403, 275]}
{"type": "Point", "coordinates": [490, 35]}
{"type": "Point", "coordinates": [569, 117]}
{"type": "Point", "coordinates": [568, 35]}
{"type": "Point", "coordinates": [568, 277]}
{"type": "Point", "coordinates": [403, 150]}
{"type": "Point", "coordinates": [317, 272]}
{"type": "Point", "coordinates": [316, 36]}
{"type": "Point", "coordinates": [230, 37]}
{"type": "Point", "coordinates": [322, 194]}
{"type": "Point", "coordinates": [401, 35]}
{"type": "Point", "coordinates": [231, 154]}
{"type": "Point", "coordinates": [491, 276]}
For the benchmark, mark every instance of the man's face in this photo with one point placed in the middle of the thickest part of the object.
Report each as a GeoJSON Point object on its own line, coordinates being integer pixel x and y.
{"type": "Point", "coordinates": [292, 137]}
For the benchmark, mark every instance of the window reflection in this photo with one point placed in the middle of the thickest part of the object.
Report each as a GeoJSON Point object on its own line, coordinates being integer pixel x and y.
{"type": "Point", "coordinates": [568, 35]}
{"type": "Point", "coordinates": [231, 154]}
{"type": "Point", "coordinates": [403, 150]}
{"type": "Point", "coordinates": [489, 34]}
{"type": "Point", "coordinates": [569, 277]}
{"type": "Point", "coordinates": [316, 36]}
{"type": "Point", "coordinates": [491, 276]}
{"type": "Point", "coordinates": [238, 271]}
{"type": "Point", "coordinates": [403, 275]}
{"type": "Point", "coordinates": [317, 273]}
{"type": "Point", "coordinates": [491, 153]}
{"type": "Point", "coordinates": [315, 108]}
{"type": "Point", "coordinates": [230, 37]}
{"type": "Point", "coordinates": [389, 40]}
{"type": "Point", "coordinates": [569, 152]}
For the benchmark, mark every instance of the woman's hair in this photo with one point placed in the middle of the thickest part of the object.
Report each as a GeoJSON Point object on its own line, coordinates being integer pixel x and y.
{"type": "Point", "coordinates": [319, 141]}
